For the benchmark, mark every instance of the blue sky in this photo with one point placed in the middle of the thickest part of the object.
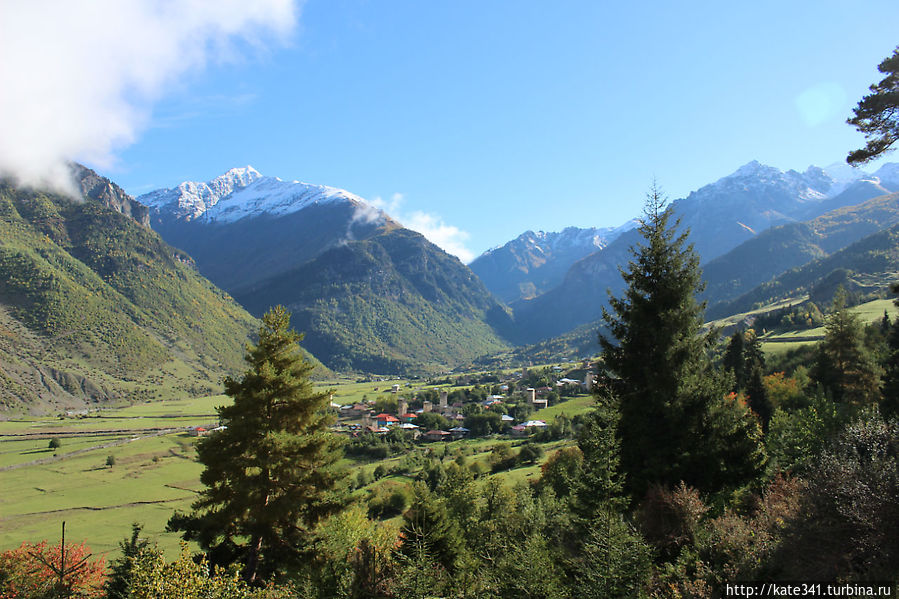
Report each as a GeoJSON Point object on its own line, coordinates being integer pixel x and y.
{"type": "Point", "coordinates": [491, 118]}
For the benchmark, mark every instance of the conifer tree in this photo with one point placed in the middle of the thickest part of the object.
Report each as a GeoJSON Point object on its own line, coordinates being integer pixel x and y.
{"type": "Point", "coordinates": [735, 360]}
{"type": "Point", "coordinates": [600, 485]}
{"type": "Point", "coordinates": [759, 402]}
{"type": "Point", "coordinates": [752, 352]}
{"type": "Point", "coordinates": [428, 530]}
{"type": "Point", "coordinates": [877, 114]}
{"type": "Point", "coordinates": [270, 473]}
{"type": "Point", "coordinates": [672, 427]}
{"type": "Point", "coordinates": [118, 584]}
{"type": "Point", "coordinates": [610, 559]}
{"type": "Point", "coordinates": [889, 405]}
{"type": "Point", "coordinates": [842, 365]}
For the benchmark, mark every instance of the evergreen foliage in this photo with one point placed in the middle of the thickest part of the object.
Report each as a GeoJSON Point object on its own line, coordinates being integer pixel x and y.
{"type": "Point", "coordinates": [270, 474]}
{"type": "Point", "coordinates": [843, 366]}
{"type": "Point", "coordinates": [599, 485]}
{"type": "Point", "coordinates": [118, 584]}
{"type": "Point", "coordinates": [428, 531]}
{"type": "Point", "coordinates": [735, 361]}
{"type": "Point", "coordinates": [889, 405]}
{"type": "Point", "coordinates": [877, 114]}
{"type": "Point", "coordinates": [611, 559]}
{"type": "Point", "coordinates": [675, 422]}
{"type": "Point", "coordinates": [759, 402]}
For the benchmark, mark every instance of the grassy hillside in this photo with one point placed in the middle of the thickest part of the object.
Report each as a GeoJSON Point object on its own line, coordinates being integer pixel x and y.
{"type": "Point", "coordinates": [779, 249]}
{"type": "Point", "coordinates": [867, 266]}
{"type": "Point", "coordinates": [96, 307]}
{"type": "Point", "coordinates": [392, 303]}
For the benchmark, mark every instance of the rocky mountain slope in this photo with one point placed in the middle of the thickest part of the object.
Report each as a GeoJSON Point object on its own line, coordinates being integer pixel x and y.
{"type": "Point", "coordinates": [95, 307]}
{"type": "Point", "coordinates": [535, 262]}
{"type": "Point", "coordinates": [719, 217]}
{"type": "Point", "coordinates": [368, 294]}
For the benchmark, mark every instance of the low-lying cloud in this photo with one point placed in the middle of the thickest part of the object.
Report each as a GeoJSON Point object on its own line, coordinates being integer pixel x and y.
{"type": "Point", "coordinates": [80, 78]}
{"type": "Point", "coordinates": [449, 238]}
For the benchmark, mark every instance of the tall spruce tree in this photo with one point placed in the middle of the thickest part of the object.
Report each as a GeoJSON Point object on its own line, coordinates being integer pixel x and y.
{"type": "Point", "coordinates": [610, 558]}
{"type": "Point", "coordinates": [675, 425]}
{"type": "Point", "coordinates": [735, 360]}
{"type": "Point", "coordinates": [270, 473]}
{"type": "Point", "coordinates": [843, 366]}
{"type": "Point", "coordinates": [889, 404]}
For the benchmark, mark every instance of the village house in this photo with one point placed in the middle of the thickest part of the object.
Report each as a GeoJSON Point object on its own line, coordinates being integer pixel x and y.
{"type": "Point", "coordinates": [386, 420]}
{"type": "Point", "coordinates": [536, 404]}
{"type": "Point", "coordinates": [459, 432]}
{"type": "Point", "coordinates": [437, 436]}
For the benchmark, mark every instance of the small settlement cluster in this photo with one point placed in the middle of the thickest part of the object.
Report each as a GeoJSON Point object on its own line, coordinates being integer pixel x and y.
{"type": "Point", "coordinates": [413, 407]}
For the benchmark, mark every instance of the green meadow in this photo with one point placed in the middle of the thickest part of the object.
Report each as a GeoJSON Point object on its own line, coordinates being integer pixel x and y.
{"type": "Point", "coordinates": [154, 470]}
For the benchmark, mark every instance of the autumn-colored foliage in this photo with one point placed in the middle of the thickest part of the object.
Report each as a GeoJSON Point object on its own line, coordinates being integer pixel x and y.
{"type": "Point", "coordinates": [43, 570]}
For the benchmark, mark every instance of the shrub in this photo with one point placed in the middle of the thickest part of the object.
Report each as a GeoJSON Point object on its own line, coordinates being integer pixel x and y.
{"type": "Point", "coordinates": [33, 570]}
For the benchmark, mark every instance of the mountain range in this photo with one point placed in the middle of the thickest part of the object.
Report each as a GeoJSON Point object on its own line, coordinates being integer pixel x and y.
{"type": "Point", "coordinates": [535, 262]}
{"type": "Point", "coordinates": [720, 217]}
{"type": "Point", "coordinates": [108, 298]}
{"type": "Point", "coordinates": [368, 293]}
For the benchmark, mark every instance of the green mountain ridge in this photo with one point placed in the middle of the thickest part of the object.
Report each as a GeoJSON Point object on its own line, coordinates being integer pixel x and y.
{"type": "Point", "coordinates": [392, 303]}
{"type": "Point", "coordinates": [780, 249]}
{"type": "Point", "coordinates": [95, 307]}
{"type": "Point", "coordinates": [368, 294]}
{"type": "Point", "coordinates": [868, 266]}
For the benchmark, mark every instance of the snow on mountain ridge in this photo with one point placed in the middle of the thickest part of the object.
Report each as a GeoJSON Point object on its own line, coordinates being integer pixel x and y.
{"type": "Point", "coordinates": [814, 185]}
{"type": "Point", "coordinates": [243, 192]}
{"type": "Point", "coordinates": [191, 199]}
{"type": "Point", "coordinates": [272, 196]}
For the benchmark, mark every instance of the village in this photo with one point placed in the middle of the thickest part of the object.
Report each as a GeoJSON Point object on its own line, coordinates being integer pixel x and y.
{"type": "Point", "coordinates": [504, 404]}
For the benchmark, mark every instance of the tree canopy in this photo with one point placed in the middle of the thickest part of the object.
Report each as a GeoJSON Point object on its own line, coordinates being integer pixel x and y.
{"type": "Point", "coordinates": [270, 471]}
{"type": "Point", "coordinates": [843, 366]}
{"type": "Point", "coordinates": [676, 424]}
{"type": "Point", "coordinates": [877, 114]}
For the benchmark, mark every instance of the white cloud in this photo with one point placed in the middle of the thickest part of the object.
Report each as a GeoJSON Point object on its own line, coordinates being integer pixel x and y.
{"type": "Point", "coordinates": [449, 238]}
{"type": "Point", "coordinates": [80, 78]}
{"type": "Point", "coordinates": [391, 207]}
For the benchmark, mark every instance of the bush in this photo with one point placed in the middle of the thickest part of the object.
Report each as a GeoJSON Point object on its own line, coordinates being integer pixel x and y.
{"type": "Point", "coordinates": [387, 501]}
{"type": "Point", "coordinates": [846, 524]}
{"type": "Point", "coordinates": [26, 572]}
{"type": "Point", "coordinates": [669, 519]}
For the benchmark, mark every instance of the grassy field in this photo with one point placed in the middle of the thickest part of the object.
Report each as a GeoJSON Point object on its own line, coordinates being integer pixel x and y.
{"type": "Point", "coordinates": [780, 342]}
{"type": "Point", "coordinates": [155, 470]}
{"type": "Point", "coordinates": [571, 408]}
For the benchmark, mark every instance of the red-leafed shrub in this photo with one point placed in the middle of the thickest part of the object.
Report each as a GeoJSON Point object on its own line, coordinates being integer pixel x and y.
{"type": "Point", "coordinates": [42, 570]}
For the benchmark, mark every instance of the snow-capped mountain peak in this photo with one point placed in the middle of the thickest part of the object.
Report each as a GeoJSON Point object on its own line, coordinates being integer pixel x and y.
{"type": "Point", "coordinates": [242, 192]}
{"type": "Point", "coordinates": [760, 179]}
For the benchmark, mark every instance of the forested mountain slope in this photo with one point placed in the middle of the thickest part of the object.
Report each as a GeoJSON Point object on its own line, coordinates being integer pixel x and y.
{"type": "Point", "coordinates": [94, 306]}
